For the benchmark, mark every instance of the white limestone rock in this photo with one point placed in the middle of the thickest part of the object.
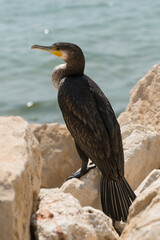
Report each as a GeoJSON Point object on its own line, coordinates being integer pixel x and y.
{"type": "Point", "coordinates": [86, 189]}
{"type": "Point", "coordinates": [144, 216]}
{"type": "Point", "coordinates": [144, 104]}
{"type": "Point", "coordinates": [60, 216]}
{"type": "Point", "coordinates": [20, 171]}
{"type": "Point", "coordinates": [59, 154]}
{"type": "Point", "coordinates": [141, 152]}
{"type": "Point", "coordinates": [152, 177]}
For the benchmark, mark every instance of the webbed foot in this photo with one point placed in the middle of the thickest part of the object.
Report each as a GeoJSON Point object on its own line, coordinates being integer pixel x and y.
{"type": "Point", "coordinates": [80, 173]}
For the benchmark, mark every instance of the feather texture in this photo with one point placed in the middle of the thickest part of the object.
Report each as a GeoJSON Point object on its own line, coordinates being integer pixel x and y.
{"type": "Point", "coordinates": [94, 127]}
{"type": "Point", "coordinates": [116, 198]}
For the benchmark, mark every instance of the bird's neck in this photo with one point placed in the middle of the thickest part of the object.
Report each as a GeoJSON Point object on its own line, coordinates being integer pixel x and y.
{"type": "Point", "coordinates": [63, 70]}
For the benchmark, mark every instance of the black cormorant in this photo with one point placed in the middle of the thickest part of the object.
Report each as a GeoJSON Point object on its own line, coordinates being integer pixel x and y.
{"type": "Point", "coordinates": [92, 123]}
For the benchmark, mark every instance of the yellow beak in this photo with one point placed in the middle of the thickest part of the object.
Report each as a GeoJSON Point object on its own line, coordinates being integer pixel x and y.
{"type": "Point", "coordinates": [51, 49]}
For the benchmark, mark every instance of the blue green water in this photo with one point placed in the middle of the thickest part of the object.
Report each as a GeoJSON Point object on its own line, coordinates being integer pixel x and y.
{"type": "Point", "coordinates": [120, 40]}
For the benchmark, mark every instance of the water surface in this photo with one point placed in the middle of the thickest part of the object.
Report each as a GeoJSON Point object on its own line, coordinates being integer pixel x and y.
{"type": "Point", "coordinates": [120, 40]}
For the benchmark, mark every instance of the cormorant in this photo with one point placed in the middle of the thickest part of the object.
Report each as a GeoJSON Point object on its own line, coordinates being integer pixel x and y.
{"type": "Point", "coordinates": [92, 123]}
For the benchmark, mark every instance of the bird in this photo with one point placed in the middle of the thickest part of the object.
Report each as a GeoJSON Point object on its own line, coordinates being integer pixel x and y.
{"type": "Point", "coordinates": [92, 123]}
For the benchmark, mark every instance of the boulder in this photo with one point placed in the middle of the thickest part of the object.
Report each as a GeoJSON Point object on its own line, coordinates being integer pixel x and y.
{"type": "Point", "coordinates": [144, 104]}
{"type": "Point", "coordinates": [20, 171]}
{"type": "Point", "coordinates": [141, 152]}
{"type": "Point", "coordinates": [152, 177]}
{"type": "Point", "coordinates": [86, 189]}
{"type": "Point", "coordinates": [59, 154]}
{"type": "Point", "coordinates": [60, 216]}
{"type": "Point", "coordinates": [144, 219]}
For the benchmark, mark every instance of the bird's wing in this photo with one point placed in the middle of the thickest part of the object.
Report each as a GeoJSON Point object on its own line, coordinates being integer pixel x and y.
{"type": "Point", "coordinates": [87, 121]}
{"type": "Point", "coordinates": [108, 117]}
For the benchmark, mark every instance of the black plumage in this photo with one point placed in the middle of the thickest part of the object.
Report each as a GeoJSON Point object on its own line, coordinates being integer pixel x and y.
{"type": "Point", "coordinates": [92, 123]}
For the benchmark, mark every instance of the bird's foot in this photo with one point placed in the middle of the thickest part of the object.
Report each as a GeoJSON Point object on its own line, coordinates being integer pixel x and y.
{"type": "Point", "coordinates": [80, 173]}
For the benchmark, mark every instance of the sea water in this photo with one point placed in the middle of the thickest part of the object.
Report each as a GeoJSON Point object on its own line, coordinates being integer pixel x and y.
{"type": "Point", "coordinates": [120, 40]}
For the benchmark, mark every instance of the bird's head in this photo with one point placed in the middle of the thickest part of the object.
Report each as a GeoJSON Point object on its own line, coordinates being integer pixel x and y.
{"type": "Point", "coordinates": [68, 52]}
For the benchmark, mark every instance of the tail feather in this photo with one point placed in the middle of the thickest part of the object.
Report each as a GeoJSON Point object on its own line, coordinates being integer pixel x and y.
{"type": "Point", "coordinates": [116, 198]}
{"type": "Point", "coordinates": [123, 201]}
{"type": "Point", "coordinates": [121, 212]}
{"type": "Point", "coordinates": [116, 207]}
{"type": "Point", "coordinates": [103, 197]}
{"type": "Point", "coordinates": [128, 200]}
{"type": "Point", "coordinates": [131, 193]}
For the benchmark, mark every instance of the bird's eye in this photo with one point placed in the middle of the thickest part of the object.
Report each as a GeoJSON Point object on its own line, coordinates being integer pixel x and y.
{"type": "Point", "coordinates": [58, 48]}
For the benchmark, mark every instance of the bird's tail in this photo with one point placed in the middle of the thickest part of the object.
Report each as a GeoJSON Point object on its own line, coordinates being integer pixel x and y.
{"type": "Point", "coordinates": [116, 198]}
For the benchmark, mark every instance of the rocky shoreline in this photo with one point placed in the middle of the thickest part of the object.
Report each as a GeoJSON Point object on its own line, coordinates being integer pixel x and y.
{"type": "Point", "coordinates": [36, 159]}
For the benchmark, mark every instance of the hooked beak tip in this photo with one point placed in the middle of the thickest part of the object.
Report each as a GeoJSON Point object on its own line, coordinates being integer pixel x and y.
{"type": "Point", "coordinates": [34, 47]}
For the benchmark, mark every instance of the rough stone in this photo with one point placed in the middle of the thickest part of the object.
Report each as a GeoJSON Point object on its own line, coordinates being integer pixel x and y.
{"type": "Point", "coordinates": [144, 104]}
{"type": "Point", "coordinates": [141, 152]}
{"type": "Point", "coordinates": [20, 170]}
{"type": "Point", "coordinates": [152, 177]}
{"type": "Point", "coordinates": [86, 189]}
{"type": "Point", "coordinates": [144, 218]}
{"type": "Point", "coordinates": [60, 157]}
{"type": "Point", "coordinates": [60, 216]}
